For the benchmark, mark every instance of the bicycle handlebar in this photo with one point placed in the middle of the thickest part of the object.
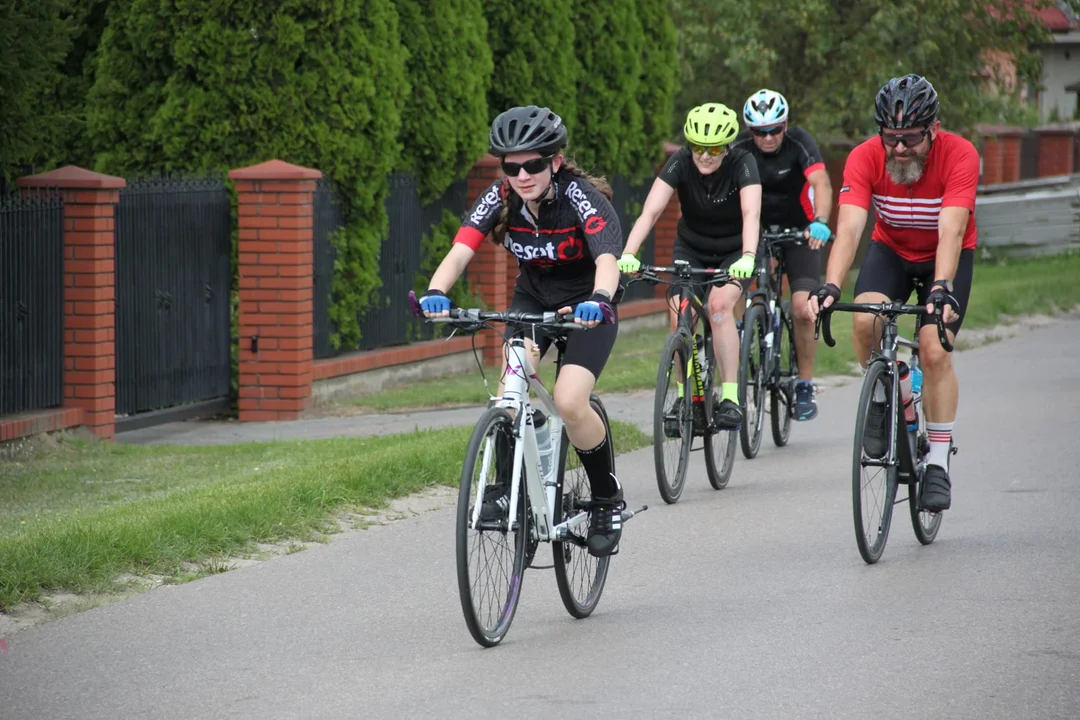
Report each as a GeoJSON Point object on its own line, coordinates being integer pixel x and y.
{"type": "Point", "coordinates": [891, 309]}
{"type": "Point", "coordinates": [473, 316]}
{"type": "Point", "coordinates": [792, 236]}
{"type": "Point", "coordinates": [648, 273]}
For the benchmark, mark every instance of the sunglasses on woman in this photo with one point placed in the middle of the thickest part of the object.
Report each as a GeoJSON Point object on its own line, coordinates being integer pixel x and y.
{"type": "Point", "coordinates": [713, 150]}
{"type": "Point", "coordinates": [533, 167]}
{"type": "Point", "coordinates": [910, 139]}
{"type": "Point", "coordinates": [766, 132]}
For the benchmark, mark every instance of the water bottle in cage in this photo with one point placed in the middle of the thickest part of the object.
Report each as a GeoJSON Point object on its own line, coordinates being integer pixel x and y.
{"type": "Point", "coordinates": [906, 395]}
{"type": "Point", "coordinates": [543, 442]}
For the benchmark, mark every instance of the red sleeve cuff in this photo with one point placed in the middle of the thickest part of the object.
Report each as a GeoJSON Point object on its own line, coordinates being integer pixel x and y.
{"type": "Point", "coordinates": [813, 169]}
{"type": "Point", "coordinates": [469, 237]}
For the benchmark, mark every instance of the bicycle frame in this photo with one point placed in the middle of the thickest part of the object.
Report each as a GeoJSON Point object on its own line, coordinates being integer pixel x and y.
{"type": "Point", "coordinates": [517, 384]}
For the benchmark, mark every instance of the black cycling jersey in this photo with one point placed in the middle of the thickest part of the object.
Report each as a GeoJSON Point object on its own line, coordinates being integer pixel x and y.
{"type": "Point", "coordinates": [556, 251]}
{"type": "Point", "coordinates": [711, 219]}
{"type": "Point", "coordinates": [785, 192]}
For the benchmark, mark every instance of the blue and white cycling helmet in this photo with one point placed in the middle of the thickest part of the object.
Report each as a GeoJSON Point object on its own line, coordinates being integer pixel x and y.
{"type": "Point", "coordinates": [764, 108]}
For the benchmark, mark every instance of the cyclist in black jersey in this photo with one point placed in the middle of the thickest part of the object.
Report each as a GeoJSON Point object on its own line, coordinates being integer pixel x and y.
{"type": "Point", "coordinates": [559, 224]}
{"type": "Point", "coordinates": [796, 192]}
{"type": "Point", "coordinates": [720, 196]}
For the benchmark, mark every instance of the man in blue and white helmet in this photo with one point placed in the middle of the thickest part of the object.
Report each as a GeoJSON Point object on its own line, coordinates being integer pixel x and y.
{"type": "Point", "coordinates": [796, 192]}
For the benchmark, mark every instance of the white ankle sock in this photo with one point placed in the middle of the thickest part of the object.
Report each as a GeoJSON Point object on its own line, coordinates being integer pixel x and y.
{"type": "Point", "coordinates": [940, 436]}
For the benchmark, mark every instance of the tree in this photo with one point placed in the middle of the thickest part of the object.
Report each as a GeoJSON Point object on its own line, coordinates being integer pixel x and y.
{"type": "Point", "coordinates": [445, 121]}
{"type": "Point", "coordinates": [830, 57]}
{"type": "Point", "coordinates": [659, 80]}
{"type": "Point", "coordinates": [609, 45]}
{"type": "Point", "coordinates": [214, 84]}
{"type": "Point", "coordinates": [534, 62]}
{"type": "Point", "coordinates": [35, 37]}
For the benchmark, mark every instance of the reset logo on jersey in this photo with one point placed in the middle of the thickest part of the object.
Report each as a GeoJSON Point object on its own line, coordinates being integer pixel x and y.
{"type": "Point", "coordinates": [487, 204]}
{"type": "Point", "coordinates": [530, 253]}
{"type": "Point", "coordinates": [595, 224]}
{"type": "Point", "coordinates": [581, 201]}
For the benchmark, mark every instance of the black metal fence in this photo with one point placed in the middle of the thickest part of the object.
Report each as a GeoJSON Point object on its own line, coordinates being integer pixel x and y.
{"type": "Point", "coordinates": [628, 201]}
{"type": "Point", "coordinates": [387, 321]}
{"type": "Point", "coordinates": [31, 302]}
{"type": "Point", "coordinates": [173, 283]}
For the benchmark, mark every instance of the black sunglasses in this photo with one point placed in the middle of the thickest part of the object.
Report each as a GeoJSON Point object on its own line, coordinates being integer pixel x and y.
{"type": "Point", "coordinates": [910, 139]}
{"type": "Point", "coordinates": [533, 167]}
{"type": "Point", "coordinates": [766, 132]}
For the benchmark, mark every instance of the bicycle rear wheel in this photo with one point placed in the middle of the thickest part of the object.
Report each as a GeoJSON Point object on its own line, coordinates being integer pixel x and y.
{"type": "Point", "coordinates": [719, 446]}
{"type": "Point", "coordinates": [579, 575]}
{"type": "Point", "coordinates": [490, 555]}
{"type": "Point", "coordinates": [873, 487]}
{"type": "Point", "coordinates": [782, 392]}
{"type": "Point", "coordinates": [673, 420]}
{"type": "Point", "coordinates": [752, 356]}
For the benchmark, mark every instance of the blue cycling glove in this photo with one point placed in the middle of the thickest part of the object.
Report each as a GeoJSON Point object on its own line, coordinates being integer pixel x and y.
{"type": "Point", "coordinates": [435, 301]}
{"type": "Point", "coordinates": [820, 231]}
{"type": "Point", "coordinates": [588, 311]}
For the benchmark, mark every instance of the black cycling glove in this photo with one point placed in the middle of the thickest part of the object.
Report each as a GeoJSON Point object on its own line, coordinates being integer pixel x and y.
{"type": "Point", "coordinates": [826, 291]}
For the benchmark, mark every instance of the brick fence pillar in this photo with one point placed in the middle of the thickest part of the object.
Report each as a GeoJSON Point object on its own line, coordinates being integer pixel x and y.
{"type": "Point", "coordinates": [89, 291]}
{"type": "Point", "coordinates": [1057, 155]}
{"type": "Point", "coordinates": [992, 152]}
{"type": "Point", "coordinates": [491, 270]}
{"type": "Point", "coordinates": [665, 229]}
{"type": "Point", "coordinates": [276, 256]}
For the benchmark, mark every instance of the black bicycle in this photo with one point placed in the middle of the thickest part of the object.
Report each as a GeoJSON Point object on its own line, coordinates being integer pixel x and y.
{"type": "Point", "coordinates": [902, 455]}
{"type": "Point", "coordinates": [767, 358]}
{"type": "Point", "coordinates": [689, 357]}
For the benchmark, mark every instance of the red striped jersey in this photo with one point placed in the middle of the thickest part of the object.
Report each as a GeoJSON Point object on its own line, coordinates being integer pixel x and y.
{"type": "Point", "coordinates": [907, 215]}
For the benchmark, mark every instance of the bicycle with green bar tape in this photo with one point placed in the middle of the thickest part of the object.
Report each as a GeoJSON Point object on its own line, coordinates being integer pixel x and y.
{"type": "Point", "coordinates": [890, 431]}
{"type": "Point", "coordinates": [767, 358]}
{"type": "Point", "coordinates": [690, 355]}
{"type": "Point", "coordinates": [548, 502]}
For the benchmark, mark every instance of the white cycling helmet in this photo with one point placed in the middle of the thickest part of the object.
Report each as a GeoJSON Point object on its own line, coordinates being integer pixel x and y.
{"type": "Point", "coordinates": [764, 108]}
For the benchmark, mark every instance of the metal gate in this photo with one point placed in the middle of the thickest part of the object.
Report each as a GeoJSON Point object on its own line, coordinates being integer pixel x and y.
{"type": "Point", "coordinates": [173, 289]}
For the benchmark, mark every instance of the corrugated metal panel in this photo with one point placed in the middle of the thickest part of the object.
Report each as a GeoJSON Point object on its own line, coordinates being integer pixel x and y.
{"type": "Point", "coordinates": [1035, 217]}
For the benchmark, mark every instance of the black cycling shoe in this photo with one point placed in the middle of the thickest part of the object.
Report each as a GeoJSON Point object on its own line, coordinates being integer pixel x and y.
{"type": "Point", "coordinates": [874, 440]}
{"type": "Point", "coordinates": [605, 525]}
{"type": "Point", "coordinates": [805, 407]}
{"type": "Point", "coordinates": [673, 420]}
{"type": "Point", "coordinates": [727, 416]}
{"type": "Point", "coordinates": [935, 492]}
{"type": "Point", "coordinates": [496, 502]}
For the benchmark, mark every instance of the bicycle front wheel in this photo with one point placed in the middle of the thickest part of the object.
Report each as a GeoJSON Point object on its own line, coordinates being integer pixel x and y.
{"type": "Point", "coordinates": [673, 420]}
{"type": "Point", "coordinates": [579, 575]}
{"type": "Point", "coordinates": [752, 357]}
{"type": "Point", "coordinates": [782, 393]}
{"type": "Point", "coordinates": [720, 445]}
{"type": "Point", "coordinates": [873, 487]}
{"type": "Point", "coordinates": [490, 554]}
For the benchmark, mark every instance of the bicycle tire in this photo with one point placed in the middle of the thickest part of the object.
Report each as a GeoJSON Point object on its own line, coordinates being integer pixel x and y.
{"type": "Point", "coordinates": [569, 554]}
{"type": "Point", "coordinates": [670, 482]}
{"type": "Point", "coordinates": [752, 380]}
{"type": "Point", "coordinates": [871, 551]}
{"type": "Point", "coordinates": [925, 524]}
{"type": "Point", "coordinates": [719, 446]}
{"type": "Point", "coordinates": [474, 605]}
{"type": "Point", "coordinates": [781, 394]}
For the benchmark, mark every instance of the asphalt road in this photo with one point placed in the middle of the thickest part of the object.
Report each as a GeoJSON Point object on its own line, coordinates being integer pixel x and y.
{"type": "Point", "coordinates": [751, 602]}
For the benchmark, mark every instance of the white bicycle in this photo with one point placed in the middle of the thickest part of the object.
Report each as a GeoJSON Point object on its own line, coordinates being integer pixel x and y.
{"type": "Point", "coordinates": [551, 506]}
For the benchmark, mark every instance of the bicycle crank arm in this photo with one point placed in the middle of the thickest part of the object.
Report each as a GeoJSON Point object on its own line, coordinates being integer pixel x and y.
{"type": "Point", "coordinates": [627, 514]}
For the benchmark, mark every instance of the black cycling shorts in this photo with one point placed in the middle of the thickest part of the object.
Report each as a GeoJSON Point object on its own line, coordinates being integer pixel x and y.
{"type": "Point", "coordinates": [802, 266]}
{"type": "Point", "coordinates": [885, 272]}
{"type": "Point", "coordinates": [703, 261]}
{"type": "Point", "coordinates": [588, 348]}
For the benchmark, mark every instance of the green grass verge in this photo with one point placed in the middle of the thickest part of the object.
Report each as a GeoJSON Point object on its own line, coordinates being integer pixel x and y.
{"type": "Point", "coordinates": [76, 517]}
{"type": "Point", "coordinates": [1001, 289]}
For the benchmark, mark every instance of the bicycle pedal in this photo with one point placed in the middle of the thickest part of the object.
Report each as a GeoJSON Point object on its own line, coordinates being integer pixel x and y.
{"type": "Point", "coordinates": [627, 514]}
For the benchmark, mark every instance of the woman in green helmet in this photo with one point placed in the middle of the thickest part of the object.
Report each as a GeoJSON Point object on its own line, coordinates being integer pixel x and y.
{"type": "Point", "coordinates": [720, 194]}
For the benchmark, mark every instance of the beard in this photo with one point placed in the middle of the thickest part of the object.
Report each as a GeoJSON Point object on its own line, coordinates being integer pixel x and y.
{"type": "Point", "coordinates": [905, 173]}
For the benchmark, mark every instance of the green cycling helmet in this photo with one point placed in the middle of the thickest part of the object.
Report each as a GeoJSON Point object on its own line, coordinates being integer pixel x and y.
{"type": "Point", "coordinates": [711, 124]}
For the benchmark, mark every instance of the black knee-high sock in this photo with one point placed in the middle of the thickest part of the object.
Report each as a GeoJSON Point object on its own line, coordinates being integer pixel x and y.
{"type": "Point", "coordinates": [597, 464]}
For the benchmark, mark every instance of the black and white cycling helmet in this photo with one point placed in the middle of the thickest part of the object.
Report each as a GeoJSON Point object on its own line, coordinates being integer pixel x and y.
{"type": "Point", "coordinates": [527, 129]}
{"type": "Point", "coordinates": [910, 96]}
{"type": "Point", "coordinates": [764, 108]}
